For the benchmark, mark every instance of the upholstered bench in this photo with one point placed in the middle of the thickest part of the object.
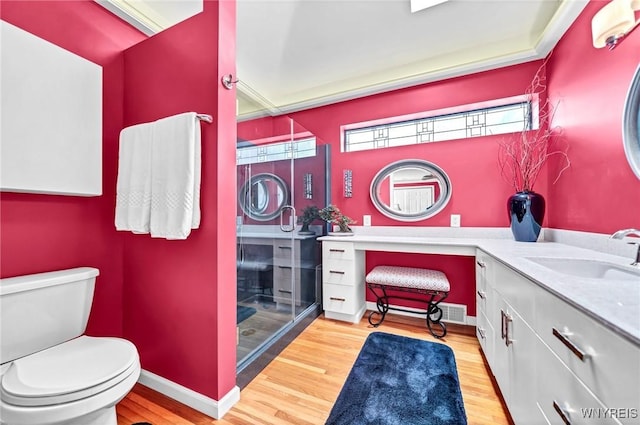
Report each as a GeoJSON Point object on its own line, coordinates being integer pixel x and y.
{"type": "Point", "coordinates": [409, 280]}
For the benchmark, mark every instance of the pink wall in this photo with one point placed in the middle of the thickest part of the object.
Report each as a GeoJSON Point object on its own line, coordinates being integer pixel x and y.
{"type": "Point", "coordinates": [180, 299]}
{"type": "Point", "coordinates": [46, 232]}
{"type": "Point", "coordinates": [479, 191]}
{"type": "Point", "coordinates": [599, 193]}
{"type": "Point", "coordinates": [175, 300]}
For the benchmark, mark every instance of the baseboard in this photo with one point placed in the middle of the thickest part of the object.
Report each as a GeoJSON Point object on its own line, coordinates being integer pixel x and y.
{"type": "Point", "coordinates": [371, 306]}
{"type": "Point", "coordinates": [214, 408]}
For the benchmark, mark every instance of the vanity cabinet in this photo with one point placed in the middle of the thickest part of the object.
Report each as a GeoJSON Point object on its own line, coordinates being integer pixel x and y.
{"type": "Point", "coordinates": [292, 264]}
{"type": "Point", "coordinates": [553, 363]}
{"type": "Point", "coordinates": [343, 286]}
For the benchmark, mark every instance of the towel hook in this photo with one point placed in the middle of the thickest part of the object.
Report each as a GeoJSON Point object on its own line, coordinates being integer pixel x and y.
{"type": "Point", "coordinates": [228, 81]}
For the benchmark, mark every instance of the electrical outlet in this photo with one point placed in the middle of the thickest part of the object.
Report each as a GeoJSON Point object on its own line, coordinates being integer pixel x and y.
{"type": "Point", "coordinates": [366, 220]}
{"type": "Point", "coordinates": [455, 220]}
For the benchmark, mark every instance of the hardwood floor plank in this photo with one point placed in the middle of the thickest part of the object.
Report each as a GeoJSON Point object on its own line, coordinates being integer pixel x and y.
{"type": "Point", "coordinates": [301, 385]}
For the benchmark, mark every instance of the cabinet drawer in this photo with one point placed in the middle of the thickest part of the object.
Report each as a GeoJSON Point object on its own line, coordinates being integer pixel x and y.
{"type": "Point", "coordinates": [518, 290]}
{"type": "Point", "coordinates": [282, 281]}
{"type": "Point", "coordinates": [340, 272]}
{"type": "Point", "coordinates": [610, 366]}
{"type": "Point", "coordinates": [337, 251]}
{"type": "Point", "coordinates": [340, 299]}
{"type": "Point", "coordinates": [282, 248]}
{"type": "Point", "coordinates": [485, 334]}
{"type": "Point", "coordinates": [557, 385]}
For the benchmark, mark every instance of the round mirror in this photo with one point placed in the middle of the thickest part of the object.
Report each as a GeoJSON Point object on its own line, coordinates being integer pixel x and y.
{"type": "Point", "coordinates": [410, 190]}
{"type": "Point", "coordinates": [631, 124]}
{"type": "Point", "coordinates": [263, 196]}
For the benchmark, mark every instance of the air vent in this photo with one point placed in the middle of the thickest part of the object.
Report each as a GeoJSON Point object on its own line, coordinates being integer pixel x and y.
{"type": "Point", "coordinates": [454, 313]}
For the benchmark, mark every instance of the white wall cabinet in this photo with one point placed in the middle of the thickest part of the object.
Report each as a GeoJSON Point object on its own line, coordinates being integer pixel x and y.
{"type": "Point", "coordinates": [51, 114]}
{"type": "Point", "coordinates": [553, 363]}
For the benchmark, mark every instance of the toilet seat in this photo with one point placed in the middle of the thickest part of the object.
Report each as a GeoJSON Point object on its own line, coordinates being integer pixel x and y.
{"type": "Point", "coordinates": [74, 370]}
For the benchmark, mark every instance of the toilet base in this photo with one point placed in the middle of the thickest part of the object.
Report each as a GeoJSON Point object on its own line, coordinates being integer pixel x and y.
{"type": "Point", "coordinates": [101, 417]}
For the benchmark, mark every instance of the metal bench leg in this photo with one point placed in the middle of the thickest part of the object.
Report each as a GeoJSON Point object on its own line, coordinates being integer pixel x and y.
{"type": "Point", "coordinates": [434, 315]}
{"type": "Point", "coordinates": [382, 303]}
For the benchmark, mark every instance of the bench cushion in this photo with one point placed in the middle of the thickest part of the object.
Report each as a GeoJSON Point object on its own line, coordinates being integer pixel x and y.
{"type": "Point", "coordinates": [409, 277]}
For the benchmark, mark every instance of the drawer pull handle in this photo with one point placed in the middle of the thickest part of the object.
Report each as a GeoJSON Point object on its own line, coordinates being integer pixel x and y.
{"type": "Point", "coordinates": [481, 264]}
{"type": "Point", "coordinates": [563, 415]}
{"type": "Point", "coordinates": [481, 294]}
{"type": "Point", "coordinates": [284, 291]}
{"type": "Point", "coordinates": [569, 344]}
{"type": "Point", "coordinates": [335, 250]}
{"type": "Point", "coordinates": [284, 247]}
{"type": "Point", "coordinates": [481, 332]}
{"type": "Point", "coordinates": [507, 319]}
{"type": "Point", "coordinates": [284, 267]}
{"type": "Point", "coordinates": [336, 272]}
{"type": "Point", "coordinates": [504, 327]}
{"type": "Point", "coordinates": [337, 299]}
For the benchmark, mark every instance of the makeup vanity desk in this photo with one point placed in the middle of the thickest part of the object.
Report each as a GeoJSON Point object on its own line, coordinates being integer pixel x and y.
{"type": "Point", "coordinates": [343, 266]}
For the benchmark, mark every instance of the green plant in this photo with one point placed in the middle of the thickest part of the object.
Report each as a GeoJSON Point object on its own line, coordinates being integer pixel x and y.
{"type": "Point", "coordinates": [332, 214]}
{"type": "Point", "coordinates": [309, 214]}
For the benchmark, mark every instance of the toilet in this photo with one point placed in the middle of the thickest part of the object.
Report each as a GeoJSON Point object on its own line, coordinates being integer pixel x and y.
{"type": "Point", "coordinates": [50, 372]}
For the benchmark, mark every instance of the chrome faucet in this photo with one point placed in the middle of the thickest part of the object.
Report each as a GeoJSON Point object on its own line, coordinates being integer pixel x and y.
{"type": "Point", "coordinates": [626, 232]}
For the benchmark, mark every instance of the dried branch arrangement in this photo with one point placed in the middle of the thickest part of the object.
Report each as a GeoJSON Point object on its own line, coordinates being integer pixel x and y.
{"type": "Point", "coordinates": [522, 156]}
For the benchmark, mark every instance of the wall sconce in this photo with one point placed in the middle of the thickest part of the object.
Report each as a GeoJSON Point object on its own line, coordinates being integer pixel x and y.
{"type": "Point", "coordinates": [347, 176]}
{"type": "Point", "coordinates": [613, 22]}
{"type": "Point", "coordinates": [308, 186]}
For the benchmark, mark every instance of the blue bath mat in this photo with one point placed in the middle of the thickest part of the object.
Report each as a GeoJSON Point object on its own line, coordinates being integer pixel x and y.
{"type": "Point", "coordinates": [243, 313]}
{"type": "Point", "coordinates": [400, 380]}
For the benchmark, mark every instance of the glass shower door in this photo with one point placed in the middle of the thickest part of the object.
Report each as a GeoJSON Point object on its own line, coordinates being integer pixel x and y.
{"type": "Point", "coordinates": [266, 247]}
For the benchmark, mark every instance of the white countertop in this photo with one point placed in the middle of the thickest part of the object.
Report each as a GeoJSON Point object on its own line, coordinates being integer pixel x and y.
{"type": "Point", "coordinates": [614, 303]}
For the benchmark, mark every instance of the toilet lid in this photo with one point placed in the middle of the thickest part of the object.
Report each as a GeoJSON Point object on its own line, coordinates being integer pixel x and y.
{"type": "Point", "coordinates": [70, 371]}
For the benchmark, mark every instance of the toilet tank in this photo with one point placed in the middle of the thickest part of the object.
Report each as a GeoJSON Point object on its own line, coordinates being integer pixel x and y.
{"type": "Point", "coordinates": [41, 310]}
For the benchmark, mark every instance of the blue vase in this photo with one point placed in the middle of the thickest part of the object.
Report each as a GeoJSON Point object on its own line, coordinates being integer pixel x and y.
{"type": "Point", "coordinates": [526, 212]}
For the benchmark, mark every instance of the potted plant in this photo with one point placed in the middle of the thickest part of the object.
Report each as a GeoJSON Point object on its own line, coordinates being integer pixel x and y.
{"type": "Point", "coordinates": [522, 158]}
{"type": "Point", "coordinates": [332, 214]}
{"type": "Point", "coordinates": [309, 214]}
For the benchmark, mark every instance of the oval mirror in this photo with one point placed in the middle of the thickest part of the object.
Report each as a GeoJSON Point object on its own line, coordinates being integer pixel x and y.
{"type": "Point", "coordinates": [631, 124]}
{"type": "Point", "coordinates": [410, 190]}
{"type": "Point", "coordinates": [263, 196]}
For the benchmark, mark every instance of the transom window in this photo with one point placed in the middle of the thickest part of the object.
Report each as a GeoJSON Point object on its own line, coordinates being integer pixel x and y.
{"type": "Point", "coordinates": [252, 154]}
{"type": "Point", "coordinates": [466, 122]}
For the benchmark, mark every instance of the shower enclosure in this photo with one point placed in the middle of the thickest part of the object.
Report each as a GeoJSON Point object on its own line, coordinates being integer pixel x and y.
{"type": "Point", "coordinates": [281, 170]}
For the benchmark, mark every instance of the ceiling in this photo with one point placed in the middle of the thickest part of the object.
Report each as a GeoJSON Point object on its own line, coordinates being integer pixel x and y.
{"type": "Point", "coordinates": [298, 54]}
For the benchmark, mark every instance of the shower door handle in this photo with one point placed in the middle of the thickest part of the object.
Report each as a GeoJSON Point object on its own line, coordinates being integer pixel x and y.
{"type": "Point", "coordinates": [291, 226]}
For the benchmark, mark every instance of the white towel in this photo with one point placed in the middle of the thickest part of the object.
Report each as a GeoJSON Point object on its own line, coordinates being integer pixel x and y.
{"type": "Point", "coordinates": [175, 176]}
{"type": "Point", "coordinates": [133, 188]}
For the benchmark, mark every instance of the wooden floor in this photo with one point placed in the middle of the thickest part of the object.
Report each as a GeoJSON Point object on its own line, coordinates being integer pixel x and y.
{"type": "Point", "coordinates": [302, 383]}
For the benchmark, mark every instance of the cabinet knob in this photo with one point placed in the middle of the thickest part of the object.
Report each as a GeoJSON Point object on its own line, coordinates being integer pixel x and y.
{"type": "Point", "coordinates": [481, 294]}
{"type": "Point", "coordinates": [335, 250]}
{"type": "Point", "coordinates": [337, 299]}
{"type": "Point", "coordinates": [481, 264]}
{"type": "Point", "coordinates": [336, 271]}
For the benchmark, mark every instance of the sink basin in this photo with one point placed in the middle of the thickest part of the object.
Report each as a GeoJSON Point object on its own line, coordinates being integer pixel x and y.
{"type": "Point", "coordinates": [590, 269]}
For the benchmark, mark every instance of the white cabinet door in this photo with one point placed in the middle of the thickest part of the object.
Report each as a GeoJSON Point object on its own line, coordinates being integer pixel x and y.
{"type": "Point", "coordinates": [520, 342]}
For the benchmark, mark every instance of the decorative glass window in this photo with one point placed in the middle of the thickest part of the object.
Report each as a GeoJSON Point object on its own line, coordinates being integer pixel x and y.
{"type": "Point", "coordinates": [252, 154]}
{"type": "Point", "coordinates": [466, 122]}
